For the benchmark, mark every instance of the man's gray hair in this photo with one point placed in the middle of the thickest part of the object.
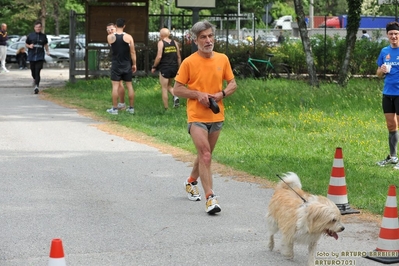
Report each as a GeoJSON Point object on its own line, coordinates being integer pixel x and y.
{"type": "Point", "coordinates": [201, 26]}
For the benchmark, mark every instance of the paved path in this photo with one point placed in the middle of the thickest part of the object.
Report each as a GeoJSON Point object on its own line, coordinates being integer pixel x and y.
{"type": "Point", "coordinates": [117, 202]}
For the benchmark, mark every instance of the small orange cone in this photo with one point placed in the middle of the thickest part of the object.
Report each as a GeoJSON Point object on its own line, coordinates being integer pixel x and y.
{"type": "Point", "coordinates": [56, 253]}
{"type": "Point", "coordinates": [337, 188]}
{"type": "Point", "coordinates": [387, 250]}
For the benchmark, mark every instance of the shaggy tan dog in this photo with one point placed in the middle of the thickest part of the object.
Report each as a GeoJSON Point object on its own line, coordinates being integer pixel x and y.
{"type": "Point", "coordinates": [299, 221]}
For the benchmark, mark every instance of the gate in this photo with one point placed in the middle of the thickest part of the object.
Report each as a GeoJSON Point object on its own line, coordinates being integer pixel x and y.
{"type": "Point", "coordinates": [96, 54]}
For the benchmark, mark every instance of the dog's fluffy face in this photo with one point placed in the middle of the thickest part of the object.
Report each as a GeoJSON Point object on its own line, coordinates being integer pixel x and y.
{"type": "Point", "coordinates": [319, 216]}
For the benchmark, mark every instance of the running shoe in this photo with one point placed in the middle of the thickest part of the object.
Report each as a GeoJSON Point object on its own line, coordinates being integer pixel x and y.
{"type": "Point", "coordinates": [192, 191]}
{"type": "Point", "coordinates": [130, 110]}
{"type": "Point", "coordinates": [121, 106]}
{"type": "Point", "coordinates": [388, 160]}
{"type": "Point", "coordinates": [36, 90]}
{"type": "Point", "coordinates": [112, 111]}
{"type": "Point", "coordinates": [176, 101]}
{"type": "Point", "coordinates": [212, 205]}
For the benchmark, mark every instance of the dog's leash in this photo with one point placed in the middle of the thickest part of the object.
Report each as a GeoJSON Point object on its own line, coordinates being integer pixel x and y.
{"type": "Point", "coordinates": [291, 188]}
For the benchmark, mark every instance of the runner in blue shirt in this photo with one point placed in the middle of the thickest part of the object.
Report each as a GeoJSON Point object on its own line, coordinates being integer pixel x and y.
{"type": "Point", "coordinates": [388, 67]}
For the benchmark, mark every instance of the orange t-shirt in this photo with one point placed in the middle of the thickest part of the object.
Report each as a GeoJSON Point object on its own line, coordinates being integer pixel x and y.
{"type": "Point", "coordinates": [205, 75]}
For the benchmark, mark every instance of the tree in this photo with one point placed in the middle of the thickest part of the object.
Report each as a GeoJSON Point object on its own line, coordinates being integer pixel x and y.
{"type": "Point", "coordinates": [331, 7]}
{"type": "Point", "coordinates": [306, 43]}
{"type": "Point", "coordinates": [354, 11]}
{"type": "Point", "coordinates": [370, 8]}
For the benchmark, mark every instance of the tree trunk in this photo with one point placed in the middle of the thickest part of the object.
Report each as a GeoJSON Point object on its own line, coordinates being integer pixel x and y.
{"type": "Point", "coordinates": [43, 12]}
{"type": "Point", "coordinates": [56, 6]}
{"type": "Point", "coordinates": [162, 19]}
{"type": "Point", "coordinates": [354, 11]}
{"type": "Point", "coordinates": [303, 31]}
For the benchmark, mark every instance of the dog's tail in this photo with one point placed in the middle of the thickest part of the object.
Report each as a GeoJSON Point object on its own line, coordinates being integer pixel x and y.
{"type": "Point", "coordinates": [291, 179]}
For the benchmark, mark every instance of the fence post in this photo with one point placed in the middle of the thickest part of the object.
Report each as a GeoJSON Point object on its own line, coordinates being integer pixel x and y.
{"type": "Point", "coordinates": [72, 36]}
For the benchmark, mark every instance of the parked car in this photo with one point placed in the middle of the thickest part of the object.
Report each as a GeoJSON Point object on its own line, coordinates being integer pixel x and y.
{"type": "Point", "coordinates": [61, 49]}
{"type": "Point", "coordinates": [12, 53]}
{"type": "Point", "coordinates": [269, 40]}
{"type": "Point", "coordinates": [13, 38]}
{"type": "Point", "coordinates": [224, 39]}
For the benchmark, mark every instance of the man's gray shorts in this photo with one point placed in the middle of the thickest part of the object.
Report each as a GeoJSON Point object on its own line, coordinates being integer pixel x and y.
{"type": "Point", "coordinates": [210, 127]}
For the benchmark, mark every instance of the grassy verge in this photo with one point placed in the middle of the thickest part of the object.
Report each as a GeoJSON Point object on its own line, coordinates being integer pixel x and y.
{"type": "Point", "coordinates": [273, 127]}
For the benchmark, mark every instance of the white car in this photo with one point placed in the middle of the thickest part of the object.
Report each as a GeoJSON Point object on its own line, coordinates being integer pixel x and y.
{"type": "Point", "coordinates": [60, 48]}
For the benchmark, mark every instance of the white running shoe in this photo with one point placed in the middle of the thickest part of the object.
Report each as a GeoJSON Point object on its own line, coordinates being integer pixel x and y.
{"type": "Point", "coordinates": [130, 110]}
{"type": "Point", "coordinates": [212, 205]}
{"type": "Point", "coordinates": [176, 101]}
{"type": "Point", "coordinates": [112, 111]}
{"type": "Point", "coordinates": [388, 160]}
{"type": "Point", "coordinates": [121, 106]}
{"type": "Point", "coordinates": [192, 191]}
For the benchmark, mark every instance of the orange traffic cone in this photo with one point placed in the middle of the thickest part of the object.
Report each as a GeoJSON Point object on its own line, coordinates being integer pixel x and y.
{"type": "Point", "coordinates": [337, 188]}
{"type": "Point", "coordinates": [56, 253]}
{"type": "Point", "coordinates": [387, 250]}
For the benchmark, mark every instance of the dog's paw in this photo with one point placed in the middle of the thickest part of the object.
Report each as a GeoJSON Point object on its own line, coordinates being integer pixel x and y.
{"type": "Point", "coordinates": [287, 254]}
{"type": "Point", "coordinates": [270, 245]}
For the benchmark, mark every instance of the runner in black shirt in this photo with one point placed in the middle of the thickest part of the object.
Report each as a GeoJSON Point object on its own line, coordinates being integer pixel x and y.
{"type": "Point", "coordinates": [167, 62]}
{"type": "Point", "coordinates": [123, 64]}
{"type": "Point", "coordinates": [36, 42]}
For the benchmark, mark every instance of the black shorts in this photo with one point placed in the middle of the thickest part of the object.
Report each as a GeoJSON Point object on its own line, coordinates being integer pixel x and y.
{"type": "Point", "coordinates": [390, 104]}
{"type": "Point", "coordinates": [118, 74]}
{"type": "Point", "coordinates": [168, 72]}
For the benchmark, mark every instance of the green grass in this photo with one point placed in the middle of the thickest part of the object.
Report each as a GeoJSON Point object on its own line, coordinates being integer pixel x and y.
{"type": "Point", "coordinates": [272, 127]}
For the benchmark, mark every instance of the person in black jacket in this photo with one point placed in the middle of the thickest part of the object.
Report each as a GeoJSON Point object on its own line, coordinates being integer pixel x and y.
{"type": "Point", "coordinates": [37, 43]}
{"type": "Point", "coordinates": [21, 58]}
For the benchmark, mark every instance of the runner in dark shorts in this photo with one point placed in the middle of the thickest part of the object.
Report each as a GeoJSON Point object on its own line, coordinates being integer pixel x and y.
{"type": "Point", "coordinates": [118, 74]}
{"type": "Point", "coordinates": [123, 65]}
{"type": "Point", "coordinates": [167, 62]}
{"type": "Point", "coordinates": [168, 72]}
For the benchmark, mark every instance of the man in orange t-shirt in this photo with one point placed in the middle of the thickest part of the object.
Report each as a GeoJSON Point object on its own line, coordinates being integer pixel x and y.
{"type": "Point", "coordinates": [199, 79]}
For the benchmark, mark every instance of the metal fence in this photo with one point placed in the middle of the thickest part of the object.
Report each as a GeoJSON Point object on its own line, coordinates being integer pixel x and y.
{"type": "Point", "coordinates": [96, 56]}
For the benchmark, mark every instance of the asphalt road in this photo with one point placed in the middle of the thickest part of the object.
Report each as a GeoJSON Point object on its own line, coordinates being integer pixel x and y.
{"type": "Point", "coordinates": [118, 202]}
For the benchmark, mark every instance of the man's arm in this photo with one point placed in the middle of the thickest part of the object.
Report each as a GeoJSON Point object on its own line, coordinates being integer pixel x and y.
{"type": "Point", "coordinates": [178, 54]}
{"type": "Point", "coordinates": [46, 48]}
{"type": "Point", "coordinates": [111, 38]}
{"type": "Point", "coordinates": [180, 90]}
{"type": "Point", "coordinates": [3, 36]}
{"type": "Point", "coordinates": [28, 43]}
{"type": "Point", "coordinates": [381, 71]}
{"type": "Point", "coordinates": [132, 53]}
{"type": "Point", "coordinates": [229, 90]}
{"type": "Point", "coordinates": [158, 57]}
